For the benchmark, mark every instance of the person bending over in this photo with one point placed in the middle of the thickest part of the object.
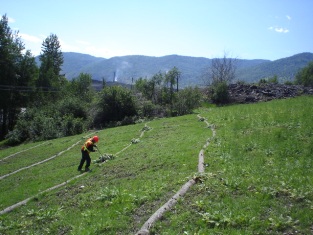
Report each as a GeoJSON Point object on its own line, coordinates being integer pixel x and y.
{"type": "Point", "coordinates": [86, 149]}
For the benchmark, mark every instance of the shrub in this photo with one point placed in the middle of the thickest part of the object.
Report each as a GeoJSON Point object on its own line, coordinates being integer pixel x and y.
{"type": "Point", "coordinates": [305, 76]}
{"type": "Point", "coordinates": [114, 104]}
{"type": "Point", "coordinates": [187, 100]}
{"type": "Point", "coordinates": [44, 127]}
{"type": "Point", "coordinates": [37, 124]}
{"type": "Point", "coordinates": [147, 109]}
{"type": "Point", "coordinates": [220, 93]}
{"type": "Point", "coordinates": [262, 81]}
{"type": "Point", "coordinates": [20, 132]}
{"type": "Point", "coordinates": [128, 120]}
{"type": "Point", "coordinates": [273, 80]}
{"type": "Point", "coordinates": [14, 137]}
{"type": "Point", "coordinates": [72, 126]}
{"type": "Point", "coordinates": [288, 83]}
{"type": "Point", "coordinates": [73, 106]}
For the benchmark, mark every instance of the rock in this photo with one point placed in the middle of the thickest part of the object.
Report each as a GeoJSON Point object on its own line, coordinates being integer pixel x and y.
{"type": "Point", "coordinates": [250, 99]}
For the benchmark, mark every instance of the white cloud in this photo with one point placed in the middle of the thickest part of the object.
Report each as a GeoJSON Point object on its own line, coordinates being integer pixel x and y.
{"type": "Point", "coordinates": [67, 47]}
{"type": "Point", "coordinates": [85, 47]}
{"type": "Point", "coordinates": [30, 38]}
{"type": "Point", "coordinates": [11, 20]}
{"type": "Point", "coordinates": [279, 29]}
{"type": "Point", "coordinates": [288, 17]}
{"type": "Point", "coordinates": [83, 42]}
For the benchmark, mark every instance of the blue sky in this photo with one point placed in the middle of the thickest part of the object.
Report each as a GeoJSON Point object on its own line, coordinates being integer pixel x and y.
{"type": "Point", "coordinates": [246, 29]}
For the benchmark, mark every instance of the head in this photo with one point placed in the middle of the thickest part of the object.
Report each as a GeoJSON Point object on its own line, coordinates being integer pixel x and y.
{"type": "Point", "coordinates": [95, 139]}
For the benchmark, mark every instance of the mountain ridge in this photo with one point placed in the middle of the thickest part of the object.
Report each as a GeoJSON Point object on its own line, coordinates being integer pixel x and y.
{"type": "Point", "coordinates": [124, 69]}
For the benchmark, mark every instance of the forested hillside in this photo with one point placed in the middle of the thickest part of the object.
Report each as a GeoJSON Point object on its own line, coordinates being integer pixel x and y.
{"type": "Point", "coordinates": [285, 68]}
{"type": "Point", "coordinates": [124, 68]}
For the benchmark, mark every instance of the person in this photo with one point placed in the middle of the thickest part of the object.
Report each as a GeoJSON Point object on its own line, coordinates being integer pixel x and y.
{"type": "Point", "coordinates": [86, 149]}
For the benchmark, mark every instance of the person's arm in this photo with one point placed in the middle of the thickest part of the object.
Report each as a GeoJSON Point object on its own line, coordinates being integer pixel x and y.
{"type": "Point", "coordinates": [90, 148]}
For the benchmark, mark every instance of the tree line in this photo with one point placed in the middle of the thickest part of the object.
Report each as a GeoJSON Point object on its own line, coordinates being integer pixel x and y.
{"type": "Point", "coordinates": [39, 103]}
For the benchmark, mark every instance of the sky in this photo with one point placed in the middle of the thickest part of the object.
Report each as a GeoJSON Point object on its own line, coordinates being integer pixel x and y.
{"type": "Point", "coordinates": [244, 29]}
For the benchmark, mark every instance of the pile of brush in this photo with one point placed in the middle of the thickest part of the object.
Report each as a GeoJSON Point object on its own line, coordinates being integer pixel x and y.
{"type": "Point", "coordinates": [104, 158]}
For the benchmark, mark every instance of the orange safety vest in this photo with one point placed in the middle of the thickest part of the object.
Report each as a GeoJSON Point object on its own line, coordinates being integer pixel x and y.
{"type": "Point", "coordinates": [87, 145]}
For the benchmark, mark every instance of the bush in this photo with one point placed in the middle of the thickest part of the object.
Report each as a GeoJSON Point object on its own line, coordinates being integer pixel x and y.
{"type": "Point", "coordinates": [273, 80]}
{"type": "Point", "coordinates": [20, 132]}
{"type": "Point", "coordinates": [72, 106]}
{"type": "Point", "coordinates": [305, 76]}
{"type": "Point", "coordinates": [148, 109]}
{"type": "Point", "coordinates": [220, 93]}
{"type": "Point", "coordinates": [187, 100]}
{"type": "Point", "coordinates": [72, 126]}
{"type": "Point", "coordinates": [44, 127]}
{"type": "Point", "coordinates": [128, 120]}
{"type": "Point", "coordinates": [37, 124]}
{"type": "Point", "coordinates": [14, 137]}
{"type": "Point", "coordinates": [114, 104]}
{"type": "Point", "coordinates": [262, 81]}
{"type": "Point", "coordinates": [288, 83]}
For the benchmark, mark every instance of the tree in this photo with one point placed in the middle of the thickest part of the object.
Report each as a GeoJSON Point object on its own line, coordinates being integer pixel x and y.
{"type": "Point", "coordinates": [220, 74]}
{"type": "Point", "coordinates": [305, 76]}
{"type": "Point", "coordinates": [11, 48]}
{"type": "Point", "coordinates": [142, 85]}
{"type": "Point", "coordinates": [222, 70]}
{"type": "Point", "coordinates": [114, 104]}
{"type": "Point", "coordinates": [81, 87]}
{"type": "Point", "coordinates": [51, 58]}
{"type": "Point", "coordinates": [156, 82]}
{"type": "Point", "coordinates": [176, 74]}
{"type": "Point", "coordinates": [28, 73]}
{"type": "Point", "coordinates": [171, 79]}
{"type": "Point", "coordinates": [150, 89]}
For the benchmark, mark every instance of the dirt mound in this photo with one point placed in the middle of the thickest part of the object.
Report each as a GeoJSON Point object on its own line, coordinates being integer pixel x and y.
{"type": "Point", "coordinates": [243, 93]}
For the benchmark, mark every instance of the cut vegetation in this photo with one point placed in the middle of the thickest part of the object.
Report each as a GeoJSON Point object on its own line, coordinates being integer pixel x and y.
{"type": "Point", "coordinates": [257, 176]}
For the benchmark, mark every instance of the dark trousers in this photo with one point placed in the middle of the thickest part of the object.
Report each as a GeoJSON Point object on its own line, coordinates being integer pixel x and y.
{"type": "Point", "coordinates": [85, 157]}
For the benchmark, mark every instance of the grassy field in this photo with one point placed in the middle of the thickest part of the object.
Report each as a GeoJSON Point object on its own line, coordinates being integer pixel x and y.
{"type": "Point", "coordinates": [258, 176]}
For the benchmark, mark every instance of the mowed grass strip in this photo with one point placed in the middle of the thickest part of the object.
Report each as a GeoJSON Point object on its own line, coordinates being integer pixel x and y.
{"type": "Point", "coordinates": [119, 195]}
{"type": "Point", "coordinates": [259, 173]}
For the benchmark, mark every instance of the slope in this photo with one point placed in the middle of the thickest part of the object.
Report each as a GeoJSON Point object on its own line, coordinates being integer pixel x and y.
{"type": "Point", "coordinates": [257, 177]}
{"type": "Point", "coordinates": [285, 69]}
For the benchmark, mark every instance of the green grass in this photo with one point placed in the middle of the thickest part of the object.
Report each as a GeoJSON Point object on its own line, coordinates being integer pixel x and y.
{"type": "Point", "coordinates": [258, 176]}
{"type": "Point", "coordinates": [260, 173]}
